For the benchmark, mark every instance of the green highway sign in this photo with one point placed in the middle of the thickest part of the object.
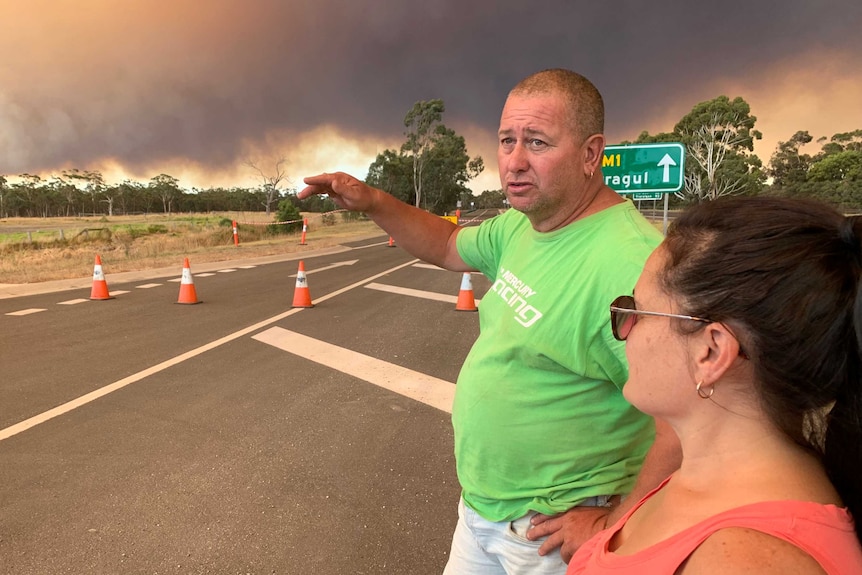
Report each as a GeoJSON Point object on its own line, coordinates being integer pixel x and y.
{"type": "Point", "coordinates": [646, 168]}
{"type": "Point", "coordinates": [647, 195]}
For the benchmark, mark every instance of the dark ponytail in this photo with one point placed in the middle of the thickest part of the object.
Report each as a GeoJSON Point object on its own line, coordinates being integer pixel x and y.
{"type": "Point", "coordinates": [785, 274]}
{"type": "Point", "coordinates": [843, 446]}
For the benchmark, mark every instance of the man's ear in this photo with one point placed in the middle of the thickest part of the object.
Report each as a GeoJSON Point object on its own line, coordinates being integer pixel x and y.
{"type": "Point", "coordinates": [716, 348]}
{"type": "Point", "coordinates": [594, 148]}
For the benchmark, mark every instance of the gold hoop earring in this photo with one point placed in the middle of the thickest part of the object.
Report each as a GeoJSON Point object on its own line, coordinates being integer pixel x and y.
{"type": "Point", "coordinates": [700, 391]}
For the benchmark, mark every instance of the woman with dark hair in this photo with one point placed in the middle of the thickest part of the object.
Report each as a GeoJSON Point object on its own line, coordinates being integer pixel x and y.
{"type": "Point", "coordinates": [743, 333]}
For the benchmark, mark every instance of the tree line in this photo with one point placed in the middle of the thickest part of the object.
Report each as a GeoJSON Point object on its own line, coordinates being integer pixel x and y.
{"type": "Point", "coordinates": [431, 170]}
{"type": "Point", "coordinates": [84, 193]}
{"type": "Point", "coordinates": [719, 137]}
{"type": "Point", "coordinates": [834, 174]}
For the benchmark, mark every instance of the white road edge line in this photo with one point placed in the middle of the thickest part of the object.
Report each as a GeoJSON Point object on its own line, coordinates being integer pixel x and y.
{"type": "Point", "coordinates": [102, 391]}
{"type": "Point", "coordinates": [421, 387]}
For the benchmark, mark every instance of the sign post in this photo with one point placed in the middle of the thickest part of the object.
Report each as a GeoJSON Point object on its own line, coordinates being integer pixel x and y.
{"type": "Point", "coordinates": [645, 171]}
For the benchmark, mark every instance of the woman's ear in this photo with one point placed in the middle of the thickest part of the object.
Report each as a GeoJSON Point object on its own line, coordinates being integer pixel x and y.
{"type": "Point", "coordinates": [716, 348]}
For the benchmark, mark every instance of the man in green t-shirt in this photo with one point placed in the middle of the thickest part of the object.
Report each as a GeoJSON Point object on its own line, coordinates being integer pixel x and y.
{"type": "Point", "coordinates": [545, 444]}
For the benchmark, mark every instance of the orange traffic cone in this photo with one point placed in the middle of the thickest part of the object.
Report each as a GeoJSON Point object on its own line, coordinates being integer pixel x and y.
{"type": "Point", "coordinates": [100, 286]}
{"type": "Point", "coordinates": [391, 242]}
{"type": "Point", "coordinates": [465, 296]}
{"type": "Point", "coordinates": [187, 285]}
{"type": "Point", "coordinates": [304, 230]}
{"type": "Point", "coordinates": [301, 295]}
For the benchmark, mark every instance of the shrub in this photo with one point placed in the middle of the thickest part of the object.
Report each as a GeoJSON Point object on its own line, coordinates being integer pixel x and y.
{"type": "Point", "coordinates": [287, 212]}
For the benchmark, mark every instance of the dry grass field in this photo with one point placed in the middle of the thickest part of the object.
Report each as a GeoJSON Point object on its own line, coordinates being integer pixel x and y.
{"type": "Point", "coordinates": [44, 249]}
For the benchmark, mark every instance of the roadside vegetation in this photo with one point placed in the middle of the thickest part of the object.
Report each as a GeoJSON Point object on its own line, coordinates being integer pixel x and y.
{"type": "Point", "coordinates": [41, 238]}
{"type": "Point", "coordinates": [44, 249]}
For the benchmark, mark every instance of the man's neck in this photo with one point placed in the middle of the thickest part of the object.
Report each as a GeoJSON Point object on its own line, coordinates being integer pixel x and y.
{"type": "Point", "coordinates": [601, 199]}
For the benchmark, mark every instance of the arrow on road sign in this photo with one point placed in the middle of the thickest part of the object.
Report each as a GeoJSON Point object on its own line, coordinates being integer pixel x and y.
{"type": "Point", "coordinates": [666, 162]}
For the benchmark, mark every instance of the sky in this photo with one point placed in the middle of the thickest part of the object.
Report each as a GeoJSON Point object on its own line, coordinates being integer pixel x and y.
{"type": "Point", "coordinates": [198, 88]}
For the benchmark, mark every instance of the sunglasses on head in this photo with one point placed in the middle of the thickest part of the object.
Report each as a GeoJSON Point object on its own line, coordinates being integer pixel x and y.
{"type": "Point", "coordinates": [624, 316]}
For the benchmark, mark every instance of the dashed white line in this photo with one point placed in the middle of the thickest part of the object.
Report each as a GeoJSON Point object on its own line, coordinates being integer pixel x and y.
{"type": "Point", "coordinates": [26, 311]}
{"type": "Point", "coordinates": [102, 391]}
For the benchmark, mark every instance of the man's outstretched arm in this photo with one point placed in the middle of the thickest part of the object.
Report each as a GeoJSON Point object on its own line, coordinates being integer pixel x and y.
{"type": "Point", "coordinates": [423, 235]}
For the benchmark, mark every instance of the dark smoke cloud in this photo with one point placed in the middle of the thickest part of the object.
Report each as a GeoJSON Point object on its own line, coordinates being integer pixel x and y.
{"type": "Point", "coordinates": [144, 82]}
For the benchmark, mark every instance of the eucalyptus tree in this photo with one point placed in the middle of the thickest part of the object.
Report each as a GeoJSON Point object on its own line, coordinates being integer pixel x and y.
{"type": "Point", "coordinates": [392, 172]}
{"type": "Point", "coordinates": [421, 122]}
{"type": "Point", "coordinates": [432, 167]}
{"type": "Point", "coordinates": [719, 138]}
{"type": "Point", "coordinates": [271, 180]}
{"type": "Point", "coordinates": [788, 166]}
{"type": "Point", "coordinates": [3, 192]}
{"type": "Point", "coordinates": [167, 189]}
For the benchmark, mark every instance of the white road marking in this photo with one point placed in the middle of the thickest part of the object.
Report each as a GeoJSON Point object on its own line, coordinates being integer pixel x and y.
{"type": "Point", "coordinates": [227, 270]}
{"type": "Point", "coordinates": [147, 286]}
{"type": "Point", "coordinates": [433, 267]}
{"type": "Point", "coordinates": [72, 301]}
{"type": "Point", "coordinates": [102, 391]}
{"type": "Point", "coordinates": [329, 267]}
{"type": "Point", "coordinates": [429, 266]}
{"type": "Point", "coordinates": [371, 245]}
{"type": "Point", "coordinates": [26, 311]}
{"type": "Point", "coordinates": [413, 384]}
{"type": "Point", "coordinates": [118, 292]}
{"type": "Point", "coordinates": [416, 293]}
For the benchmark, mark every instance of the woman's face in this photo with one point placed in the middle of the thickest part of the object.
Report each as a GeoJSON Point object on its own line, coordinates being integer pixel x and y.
{"type": "Point", "coordinates": [659, 367]}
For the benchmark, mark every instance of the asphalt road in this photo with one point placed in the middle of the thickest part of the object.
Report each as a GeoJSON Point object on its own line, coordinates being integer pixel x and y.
{"type": "Point", "coordinates": [238, 435]}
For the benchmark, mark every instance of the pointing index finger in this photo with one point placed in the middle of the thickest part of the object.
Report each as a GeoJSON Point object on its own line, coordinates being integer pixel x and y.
{"type": "Point", "coordinates": [319, 184]}
{"type": "Point", "coordinates": [319, 180]}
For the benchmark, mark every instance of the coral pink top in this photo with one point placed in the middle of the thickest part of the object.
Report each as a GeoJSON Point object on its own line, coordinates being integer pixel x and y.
{"type": "Point", "coordinates": [825, 532]}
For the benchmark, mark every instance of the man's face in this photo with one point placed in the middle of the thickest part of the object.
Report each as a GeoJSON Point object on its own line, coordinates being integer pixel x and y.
{"type": "Point", "coordinates": [540, 160]}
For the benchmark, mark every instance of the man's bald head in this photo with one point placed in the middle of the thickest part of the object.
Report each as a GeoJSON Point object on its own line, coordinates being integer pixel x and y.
{"type": "Point", "coordinates": [585, 106]}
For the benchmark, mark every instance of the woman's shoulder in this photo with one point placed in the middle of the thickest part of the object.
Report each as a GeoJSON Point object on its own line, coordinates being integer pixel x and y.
{"type": "Point", "coordinates": [786, 537]}
{"type": "Point", "coordinates": [743, 550]}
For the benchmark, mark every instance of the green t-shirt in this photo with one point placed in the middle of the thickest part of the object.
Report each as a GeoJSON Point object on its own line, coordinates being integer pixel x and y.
{"type": "Point", "coordinates": [539, 417]}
